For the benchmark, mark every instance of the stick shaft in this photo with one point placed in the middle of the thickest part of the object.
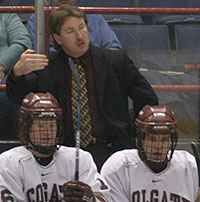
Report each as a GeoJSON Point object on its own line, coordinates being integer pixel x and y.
{"type": "Point", "coordinates": [77, 156]}
{"type": "Point", "coordinates": [76, 74]}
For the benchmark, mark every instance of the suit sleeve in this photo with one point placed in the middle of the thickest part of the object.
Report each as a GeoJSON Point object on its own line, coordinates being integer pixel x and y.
{"type": "Point", "coordinates": [16, 89]}
{"type": "Point", "coordinates": [138, 88]}
{"type": "Point", "coordinates": [36, 81]}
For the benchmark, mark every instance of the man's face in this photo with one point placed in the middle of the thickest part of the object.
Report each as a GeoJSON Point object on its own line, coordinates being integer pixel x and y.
{"type": "Point", "coordinates": [73, 37]}
{"type": "Point", "coordinates": [43, 132]}
{"type": "Point", "coordinates": [59, 2]}
{"type": "Point", "coordinates": [156, 146]}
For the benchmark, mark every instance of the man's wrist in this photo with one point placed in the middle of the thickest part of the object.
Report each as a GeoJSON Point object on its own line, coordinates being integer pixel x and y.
{"type": "Point", "coordinates": [13, 76]}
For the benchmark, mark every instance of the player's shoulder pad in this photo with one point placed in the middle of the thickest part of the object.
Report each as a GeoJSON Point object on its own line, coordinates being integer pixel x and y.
{"type": "Point", "coordinates": [182, 156]}
{"type": "Point", "coordinates": [15, 156]}
{"type": "Point", "coordinates": [121, 159]}
{"type": "Point", "coordinates": [69, 153]}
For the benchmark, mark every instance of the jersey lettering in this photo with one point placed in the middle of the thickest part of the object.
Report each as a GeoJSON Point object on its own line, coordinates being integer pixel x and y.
{"type": "Point", "coordinates": [155, 196]}
{"type": "Point", "coordinates": [45, 186]}
{"type": "Point", "coordinates": [164, 198]}
{"type": "Point", "coordinates": [174, 197]}
{"type": "Point", "coordinates": [143, 195]}
{"type": "Point", "coordinates": [54, 194]}
{"type": "Point", "coordinates": [6, 197]}
{"type": "Point", "coordinates": [136, 196]}
{"type": "Point", "coordinates": [29, 193]}
{"type": "Point", "coordinates": [40, 193]}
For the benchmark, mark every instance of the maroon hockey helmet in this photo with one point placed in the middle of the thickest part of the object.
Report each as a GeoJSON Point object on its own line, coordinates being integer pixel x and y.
{"type": "Point", "coordinates": [156, 120]}
{"type": "Point", "coordinates": [40, 106]}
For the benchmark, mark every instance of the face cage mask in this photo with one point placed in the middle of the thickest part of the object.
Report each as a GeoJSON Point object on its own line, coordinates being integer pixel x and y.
{"type": "Point", "coordinates": [156, 165]}
{"type": "Point", "coordinates": [44, 149]}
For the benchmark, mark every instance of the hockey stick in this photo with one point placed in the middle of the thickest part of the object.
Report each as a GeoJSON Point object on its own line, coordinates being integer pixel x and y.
{"type": "Point", "coordinates": [75, 72]}
{"type": "Point", "coordinates": [197, 157]}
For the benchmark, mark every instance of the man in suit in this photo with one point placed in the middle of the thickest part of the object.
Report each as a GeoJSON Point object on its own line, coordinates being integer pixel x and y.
{"type": "Point", "coordinates": [111, 77]}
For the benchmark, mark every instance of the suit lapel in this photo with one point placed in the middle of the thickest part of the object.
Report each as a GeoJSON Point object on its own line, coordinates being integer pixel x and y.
{"type": "Point", "coordinates": [60, 78]}
{"type": "Point", "coordinates": [99, 64]}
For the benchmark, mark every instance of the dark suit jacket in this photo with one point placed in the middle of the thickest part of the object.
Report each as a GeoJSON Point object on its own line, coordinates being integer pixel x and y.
{"type": "Point", "coordinates": [116, 78]}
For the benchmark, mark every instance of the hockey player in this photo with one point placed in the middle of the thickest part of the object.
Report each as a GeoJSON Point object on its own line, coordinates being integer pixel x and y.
{"type": "Point", "coordinates": [41, 169]}
{"type": "Point", "coordinates": [155, 171]}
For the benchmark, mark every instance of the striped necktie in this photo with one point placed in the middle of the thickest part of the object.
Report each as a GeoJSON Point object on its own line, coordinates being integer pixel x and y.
{"type": "Point", "coordinates": [85, 119]}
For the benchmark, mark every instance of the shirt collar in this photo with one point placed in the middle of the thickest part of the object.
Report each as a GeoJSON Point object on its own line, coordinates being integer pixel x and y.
{"type": "Point", "coordinates": [84, 59]}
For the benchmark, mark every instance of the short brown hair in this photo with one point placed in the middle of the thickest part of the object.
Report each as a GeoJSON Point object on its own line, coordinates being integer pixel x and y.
{"type": "Point", "coordinates": [58, 16]}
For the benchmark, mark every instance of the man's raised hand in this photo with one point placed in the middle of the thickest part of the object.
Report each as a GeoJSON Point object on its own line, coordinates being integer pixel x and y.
{"type": "Point", "coordinates": [29, 62]}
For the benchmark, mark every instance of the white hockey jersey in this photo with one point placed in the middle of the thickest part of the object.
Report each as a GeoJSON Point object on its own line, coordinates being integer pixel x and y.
{"type": "Point", "coordinates": [130, 180]}
{"type": "Point", "coordinates": [22, 178]}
